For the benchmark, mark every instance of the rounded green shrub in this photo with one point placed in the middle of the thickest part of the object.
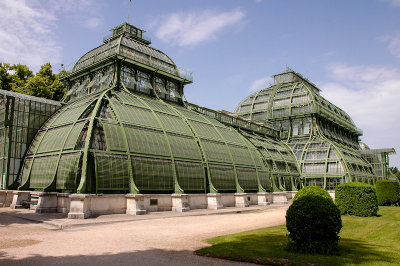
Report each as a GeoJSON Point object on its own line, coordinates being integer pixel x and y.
{"type": "Point", "coordinates": [312, 190]}
{"type": "Point", "coordinates": [357, 199]}
{"type": "Point", "coordinates": [388, 192]}
{"type": "Point", "coordinates": [313, 223]}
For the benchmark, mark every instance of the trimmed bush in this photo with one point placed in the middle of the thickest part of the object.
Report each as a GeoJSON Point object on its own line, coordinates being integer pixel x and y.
{"type": "Point", "coordinates": [388, 192]}
{"type": "Point", "coordinates": [313, 223]}
{"type": "Point", "coordinates": [312, 190]}
{"type": "Point", "coordinates": [357, 199]}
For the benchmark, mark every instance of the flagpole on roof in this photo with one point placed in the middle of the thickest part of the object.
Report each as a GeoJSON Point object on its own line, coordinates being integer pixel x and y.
{"type": "Point", "coordinates": [129, 9]}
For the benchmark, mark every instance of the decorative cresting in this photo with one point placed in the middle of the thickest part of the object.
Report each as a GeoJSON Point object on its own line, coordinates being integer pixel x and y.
{"type": "Point", "coordinates": [125, 128]}
{"type": "Point", "coordinates": [323, 137]}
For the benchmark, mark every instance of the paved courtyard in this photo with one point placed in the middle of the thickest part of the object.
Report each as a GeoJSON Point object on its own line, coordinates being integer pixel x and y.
{"type": "Point", "coordinates": [165, 238]}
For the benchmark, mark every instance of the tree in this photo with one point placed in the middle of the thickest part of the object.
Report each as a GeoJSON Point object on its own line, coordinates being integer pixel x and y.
{"type": "Point", "coordinates": [45, 84]}
{"type": "Point", "coordinates": [20, 78]}
{"type": "Point", "coordinates": [21, 73]}
{"type": "Point", "coordinates": [5, 77]}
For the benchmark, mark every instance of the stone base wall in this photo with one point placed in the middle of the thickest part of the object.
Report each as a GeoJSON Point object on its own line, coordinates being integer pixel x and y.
{"type": "Point", "coordinates": [81, 206]}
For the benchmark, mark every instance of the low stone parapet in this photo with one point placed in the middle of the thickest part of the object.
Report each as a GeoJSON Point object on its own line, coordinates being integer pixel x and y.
{"type": "Point", "coordinates": [180, 202]}
{"type": "Point", "coordinates": [135, 204]}
{"type": "Point", "coordinates": [263, 198]}
{"type": "Point", "coordinates": [3, 195]}
{"type": "Point", "coordinates": [9, 198]}
{"type": "Point", "coordinates": [80, 206]}
{"type": "Point", "coordinates": [214, 201]}
{"type": "Point", "coordinates": [47, 202]}
{"type": "Point", "coordinates": [242, 200]}
{"type": "Point", "coordinates": [19, 197]}
{"type": "Point", "coordinates": [279, 197]}
{"type": "Point", "coordinates": [63, 202]}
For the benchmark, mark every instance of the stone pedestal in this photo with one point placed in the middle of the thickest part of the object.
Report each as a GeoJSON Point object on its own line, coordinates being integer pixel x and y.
{"type": "Point", "coordinates": [180, 202]}
{"type": "Point", "coordinates": [241, 200]}
{"type": "Point", "coordinates": [63, 202]}
{"type": "Point", "coordinates": [263, 199]}
{"type": "Point", "coordinates": [135, 204]}
{"type": "Point", "coordinates": [279, 197]}
{"type": "Point", "coordinates": [214, 201]}
{"type": "Point", "coordinates": [290, 194]}
{"type": "Point", "coordinates": [47, 202]}
{"type": "Point", "coordinates": [9, 198]}
{"type": "Point", "coordinates": [18, 198]}
{"type": "Point", "coordinates": [3, 196]}
{"type": "Point", "coordinates": [80, 206]}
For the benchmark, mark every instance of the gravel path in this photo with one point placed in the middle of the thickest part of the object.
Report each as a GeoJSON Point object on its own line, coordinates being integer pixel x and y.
{"type": "Point", "coordinates": [162, 241]}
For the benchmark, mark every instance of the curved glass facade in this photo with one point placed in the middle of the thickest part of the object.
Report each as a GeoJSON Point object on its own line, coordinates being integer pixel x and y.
{"type": "Point", "coordinates": [126, 128]}
{"type": "Point", "coordinates": [145, 145]}
{"type": "Point", "coordinates": [323, 137]}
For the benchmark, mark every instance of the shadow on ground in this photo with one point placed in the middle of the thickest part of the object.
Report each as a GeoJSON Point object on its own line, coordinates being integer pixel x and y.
{"type": "Point", "coordinates": [271, 251]}
{"type": "Point", "coordinates": [145, 257]}
{"type": "Point", "coordinates": [8, 217]}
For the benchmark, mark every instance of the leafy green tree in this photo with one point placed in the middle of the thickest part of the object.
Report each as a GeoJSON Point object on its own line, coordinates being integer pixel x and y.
{"type": "Point", "coordinates": [20, 78]}
{"type": "Point", "coordinates": [5, 77]}
{"type": "Point", "coordinates": [45, 84]}
{"type": "Point", "coordinates": [21, 73]}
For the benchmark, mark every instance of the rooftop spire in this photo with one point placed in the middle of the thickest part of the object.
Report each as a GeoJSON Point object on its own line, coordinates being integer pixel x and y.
{"type": "Point", "coordinates": [129, 9]}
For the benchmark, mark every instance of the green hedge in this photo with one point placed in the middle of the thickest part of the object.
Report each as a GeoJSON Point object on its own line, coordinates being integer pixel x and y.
{"type": "Point", "coordinates": [388, 192]}
{"type": "Point", "coordinates": [357, 199]}
{"type": "Point", "coordinates": [313, 223]}
{"type": "Point", "coordinates": [312, 190]}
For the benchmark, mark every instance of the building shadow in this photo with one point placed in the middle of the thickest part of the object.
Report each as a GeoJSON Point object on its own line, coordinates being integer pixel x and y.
{"type": "Point", "coordinates": [8, 217]}
{"type": "Point", "coordinates": [271, 250]}
{"type": "Point", "coordinates": [141, 257]}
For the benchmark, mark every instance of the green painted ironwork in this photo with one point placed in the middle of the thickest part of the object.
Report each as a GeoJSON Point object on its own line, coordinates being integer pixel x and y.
{"type": "Point", "coordinates": [125, 128]}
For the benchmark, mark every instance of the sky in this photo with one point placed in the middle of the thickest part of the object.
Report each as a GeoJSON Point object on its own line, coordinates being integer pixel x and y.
{"type": "Point", "coordinates": [349, 48]}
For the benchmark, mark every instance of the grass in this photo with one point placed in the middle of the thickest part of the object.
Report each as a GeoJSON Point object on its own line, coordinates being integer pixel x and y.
{"type": "Point", "coordinates": [364, 241]}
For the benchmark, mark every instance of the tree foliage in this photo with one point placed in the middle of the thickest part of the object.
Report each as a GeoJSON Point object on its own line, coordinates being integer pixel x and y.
{"type": "Point", "coordinates": [20, 78]}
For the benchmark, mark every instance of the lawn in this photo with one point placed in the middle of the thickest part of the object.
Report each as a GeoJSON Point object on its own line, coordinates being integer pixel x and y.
{"type": "Point", "coordinates": [364, 241]}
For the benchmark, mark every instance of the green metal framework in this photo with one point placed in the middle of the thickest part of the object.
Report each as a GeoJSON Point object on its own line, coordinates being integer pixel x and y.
{"type": "Point", "coordinates": [125, 128]}
{"type": "Point", "coordinates": [20, 118]}
{"type": "Point", "coordinates": [323, 137]}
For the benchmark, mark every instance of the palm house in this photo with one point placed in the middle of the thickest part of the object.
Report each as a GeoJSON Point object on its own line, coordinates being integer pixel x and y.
{"type": "Point", "coordinates": [124, 140]}
{"type": "Point", "coordinates": [323, 137]}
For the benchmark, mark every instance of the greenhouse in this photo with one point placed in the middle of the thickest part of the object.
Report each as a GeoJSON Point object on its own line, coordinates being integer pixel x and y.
{"type": "Point", "coordinates": [126, 129]}
{"type": "Point", "coordinates": [21, 116]}
{"type": "Point", "coordinates": [323, 137]}
{"type": "Point", "coordinates": [124, 140]}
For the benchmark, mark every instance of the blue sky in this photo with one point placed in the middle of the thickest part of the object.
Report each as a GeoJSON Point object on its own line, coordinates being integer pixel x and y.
{"type": "Point", "coordinates": [349, 48]}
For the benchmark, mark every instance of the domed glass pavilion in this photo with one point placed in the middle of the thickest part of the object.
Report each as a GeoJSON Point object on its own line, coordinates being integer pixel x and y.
{"type": "Point", "coordinates": [323, 137]}
{"type": "Point", "coordinates": [126, 129]}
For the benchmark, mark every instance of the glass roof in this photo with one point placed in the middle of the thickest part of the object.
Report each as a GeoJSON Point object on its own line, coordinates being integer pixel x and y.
{"type": "Point", "coordinates": [292, 96]}
{"type": "Point", "coordinates": [29, 97]}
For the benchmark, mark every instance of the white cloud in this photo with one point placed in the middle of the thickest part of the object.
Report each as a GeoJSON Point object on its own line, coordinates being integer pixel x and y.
{"type": "Point", "coordinates": [193, 28]}
{"type": "Point", "coordinates": [26, 34]}
{"type": "Point", "coordinates": [370, 95]}
{"type": "Point", "coordinates": [28, 29]}
{"type": "Point", "coordinates": [394, 3]}
{"type": "Point", "coordinates": [260, 84]}
{"type": "Point", "coordinates": [393, 44]}
{"type": "Point", "coordinates": [92, 23]}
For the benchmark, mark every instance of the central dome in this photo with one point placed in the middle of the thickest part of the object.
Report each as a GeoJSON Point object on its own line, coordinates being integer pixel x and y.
{"type": "Point", "coordinates": [128, 42]}
{"type": "Point", "coordinates": [126, 128]}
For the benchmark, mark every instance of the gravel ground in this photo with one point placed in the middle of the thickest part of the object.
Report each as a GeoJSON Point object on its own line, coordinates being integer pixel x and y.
{"type": "Point", "coordinates": [157, 241]}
